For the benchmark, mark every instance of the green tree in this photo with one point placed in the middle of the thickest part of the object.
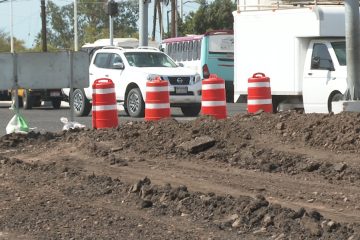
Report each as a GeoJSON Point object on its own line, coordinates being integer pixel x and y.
{"type": "Point", "coordinates": [93, 22]}
{"type": "Point", "coordinates": [213, 16]}
{"type": "Point", "coordinates": [19, 45]}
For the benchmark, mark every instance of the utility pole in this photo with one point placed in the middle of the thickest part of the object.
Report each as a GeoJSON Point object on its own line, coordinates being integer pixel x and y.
{"type": "Point", "coordinates": [181, 9]}
{"type": "Point", "coordinates": [11, 28]}
{"type": "Point", "coordinates": [76, 41]}
{"type": "Point", "coordinates": [160, 13]}
{"type": "Point", "coordinates": [173, 18]}
{"type": "Point", "coordinates": [154, 21]}
{"type": "Point", "coordinates": [352, 33]}
{"type": "Point", "coordinates": [43, 26]}
{"type": "Point", "coordinates": [143, 26]}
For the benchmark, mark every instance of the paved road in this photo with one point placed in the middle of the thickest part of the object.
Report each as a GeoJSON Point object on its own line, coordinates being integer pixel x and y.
{"type": "Point", "coordinates": [48, 119]}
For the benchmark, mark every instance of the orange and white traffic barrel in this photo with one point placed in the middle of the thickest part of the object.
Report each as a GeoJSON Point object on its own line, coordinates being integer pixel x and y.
{"type": "Point", "coordinates": [157, 103]}
{"type": "Point", "coordinates": [213, 101]}
{"type": "Point", "coordinates": [104, 109]}
{"type": "Point", "coordinates": [259, 93]}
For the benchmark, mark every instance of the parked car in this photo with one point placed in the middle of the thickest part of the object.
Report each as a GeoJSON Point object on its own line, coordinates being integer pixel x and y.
{"type": "Point", "coordinates": [130, 69]}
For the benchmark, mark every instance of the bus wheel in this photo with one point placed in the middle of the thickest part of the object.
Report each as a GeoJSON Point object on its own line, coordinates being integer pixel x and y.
{"type": "Point", "coordinates": [191, 111]}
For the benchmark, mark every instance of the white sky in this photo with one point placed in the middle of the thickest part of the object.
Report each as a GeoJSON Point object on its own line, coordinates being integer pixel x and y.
{"type": "Point", "coordinates": [27, 21]}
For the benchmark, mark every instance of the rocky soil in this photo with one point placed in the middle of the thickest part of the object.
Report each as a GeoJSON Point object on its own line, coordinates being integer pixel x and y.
{"type": "Point", "coordinates": [264, 176]}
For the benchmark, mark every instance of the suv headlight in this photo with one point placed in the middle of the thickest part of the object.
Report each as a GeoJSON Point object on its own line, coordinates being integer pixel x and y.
{"type": "Point", "coordinates": [151, 77]}
{"type": "Point", "coordinates": [197, 78]}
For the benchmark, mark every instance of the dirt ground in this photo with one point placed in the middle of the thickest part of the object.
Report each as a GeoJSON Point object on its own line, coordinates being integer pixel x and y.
{"type": "Point", "coordinates": [265, 176]}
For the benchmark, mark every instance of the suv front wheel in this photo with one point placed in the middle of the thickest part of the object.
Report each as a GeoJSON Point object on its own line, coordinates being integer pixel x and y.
{"type": "Point", "coordinates": [135, 104]}
{"type": "Point", "coordinates": [80, 104]}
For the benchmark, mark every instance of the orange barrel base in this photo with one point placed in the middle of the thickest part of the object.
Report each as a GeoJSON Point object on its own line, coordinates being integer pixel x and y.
{"type": "Point", "coordinates": [157, 114]}
{"type": "Point", "coordinates": [213, 100]}
{"type": "Point", "coordinates": [104, 109]}
{"type": "Point", "coordinates": [259, 93]}
{"type": "Point", "coordinates": [157, 104]}
{"type": "Point", "coordinates": [105, 119]}
{"type": "Point", "coordinates": [219, 112]}
{"type": "Point", "coordinates": [257, 107]}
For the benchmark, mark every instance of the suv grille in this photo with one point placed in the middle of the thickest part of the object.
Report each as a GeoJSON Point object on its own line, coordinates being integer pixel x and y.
{"type": "Point", "coordinates": [179, 80]}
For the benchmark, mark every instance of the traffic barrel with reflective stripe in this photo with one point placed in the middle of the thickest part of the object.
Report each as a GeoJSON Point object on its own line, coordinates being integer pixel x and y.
{"type": "Point", "coordinates": [104, 109]}
{"type": "Point", "coordinates": [157, 103]}
{"type": "Point", "coordinates": [213, 101]}
{"type": "Point", "coordinates": [259, 93]}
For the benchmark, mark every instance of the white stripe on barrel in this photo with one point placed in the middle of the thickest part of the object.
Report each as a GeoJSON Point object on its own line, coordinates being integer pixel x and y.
{"type": "Point", "coordinates": [259, 101]}
{"type": "Point", "coordinates": [103, 90]}
{"type": "Point", "coordinates": [104, 107]}
{"type": "Point", "coordinates": [213, 103]}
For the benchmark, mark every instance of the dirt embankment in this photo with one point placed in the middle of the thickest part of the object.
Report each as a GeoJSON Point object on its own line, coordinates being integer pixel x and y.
{"type": "Point", "coordinates": [265, 176]}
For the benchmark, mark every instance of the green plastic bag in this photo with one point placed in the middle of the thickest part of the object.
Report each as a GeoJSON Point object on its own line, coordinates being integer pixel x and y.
{"type": "Point", "coordinates": [17, 124]}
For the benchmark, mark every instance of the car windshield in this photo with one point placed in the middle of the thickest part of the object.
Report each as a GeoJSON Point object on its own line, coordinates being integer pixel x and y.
{"type": "Point", "coordinates": [340, 51]}
{"type": "Point", "coordinates": [149, 59]}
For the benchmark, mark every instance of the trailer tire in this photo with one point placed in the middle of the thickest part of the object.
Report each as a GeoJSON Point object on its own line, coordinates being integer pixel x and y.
{"type": "Point", "coordinates": [37, 102]}
{"type": "Point", "coordinates": [27, 99]}
{"type": "Point", "coordinates": [56, 103]}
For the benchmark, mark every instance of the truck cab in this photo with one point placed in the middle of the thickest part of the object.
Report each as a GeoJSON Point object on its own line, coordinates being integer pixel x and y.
{"type": "Point", "coordinates": [324, 79]}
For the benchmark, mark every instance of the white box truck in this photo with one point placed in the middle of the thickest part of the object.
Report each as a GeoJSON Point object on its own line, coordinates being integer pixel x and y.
{"type": "Point", "coordinates": [301, 49]}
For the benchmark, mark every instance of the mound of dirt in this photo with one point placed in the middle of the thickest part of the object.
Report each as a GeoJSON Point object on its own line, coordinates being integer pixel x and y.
{"type": "Point", "coordinates": [265, 176]}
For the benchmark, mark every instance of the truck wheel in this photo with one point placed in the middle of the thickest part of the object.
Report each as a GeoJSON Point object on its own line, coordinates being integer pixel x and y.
{"type": "Point", "coordinates": [37, 102]}
{"type": "Point", "coordinates": [27, 100]}
{"type": "Point", "coordinates": [135, 104]}
{"type": "Point", "coordinates": [191, 111]}
{"type": "Point", "coordinates": [335, 98]}
{"type": "Point", "coordinates": [56, 103]}
{"type": "Point", "coordinates": [80, 103]}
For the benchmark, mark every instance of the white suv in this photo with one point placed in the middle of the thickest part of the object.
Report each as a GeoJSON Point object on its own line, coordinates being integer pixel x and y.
{"type": "Point", "coordinates": [130, 69]}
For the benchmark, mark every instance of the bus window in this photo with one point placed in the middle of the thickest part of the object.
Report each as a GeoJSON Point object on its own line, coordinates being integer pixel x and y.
{"type": "Point", "coordinates": [179, 53]}
{"type": "Point", "coordinates": [199, 53]}
{"type": "Point", "coordinates": [198, 50]}
{"type": "Point", "coordinates": [195, 52]}
{"type": "Point", "coordinates": [168, 49]}
{"type": "Point", "coordinates": [185, 50]}
{"type": "Point", "coordinates": [190, 50]}
{"type": "Point", "coordinates": [221, 44]}
{"type": "Point", "coordinates": [173, 50]}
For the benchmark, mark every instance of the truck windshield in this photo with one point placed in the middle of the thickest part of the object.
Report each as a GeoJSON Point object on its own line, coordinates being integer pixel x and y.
{"type": "Point", "coordinates": [149, 59]}
{"type": "Point", "coordinates": [340, 51]}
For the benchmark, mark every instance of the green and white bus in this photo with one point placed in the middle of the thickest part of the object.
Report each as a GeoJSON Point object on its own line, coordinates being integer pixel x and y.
{"type": "Point", "coordinates": [210, 53]}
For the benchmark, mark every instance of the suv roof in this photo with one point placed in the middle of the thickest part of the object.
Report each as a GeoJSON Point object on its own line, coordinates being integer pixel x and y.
{"type": "Point", "coordinates": [139, 49]}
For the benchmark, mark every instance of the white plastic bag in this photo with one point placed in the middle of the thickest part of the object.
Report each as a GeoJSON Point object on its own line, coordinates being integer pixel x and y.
{"type": "Point", "coordinates": [70, 125]}
{"type": "Point", "coordinates": [17, 124]}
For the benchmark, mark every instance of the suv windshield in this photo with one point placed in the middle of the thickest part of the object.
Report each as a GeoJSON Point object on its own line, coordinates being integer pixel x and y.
{"type": "Point", "coordinates": [149, 59]}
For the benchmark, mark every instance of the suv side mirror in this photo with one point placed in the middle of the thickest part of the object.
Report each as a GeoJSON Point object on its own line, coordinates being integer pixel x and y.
{"type": "Point", "coordinates": [118, 65]}
{"type": "Point", "coordinates": [180, 64]}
